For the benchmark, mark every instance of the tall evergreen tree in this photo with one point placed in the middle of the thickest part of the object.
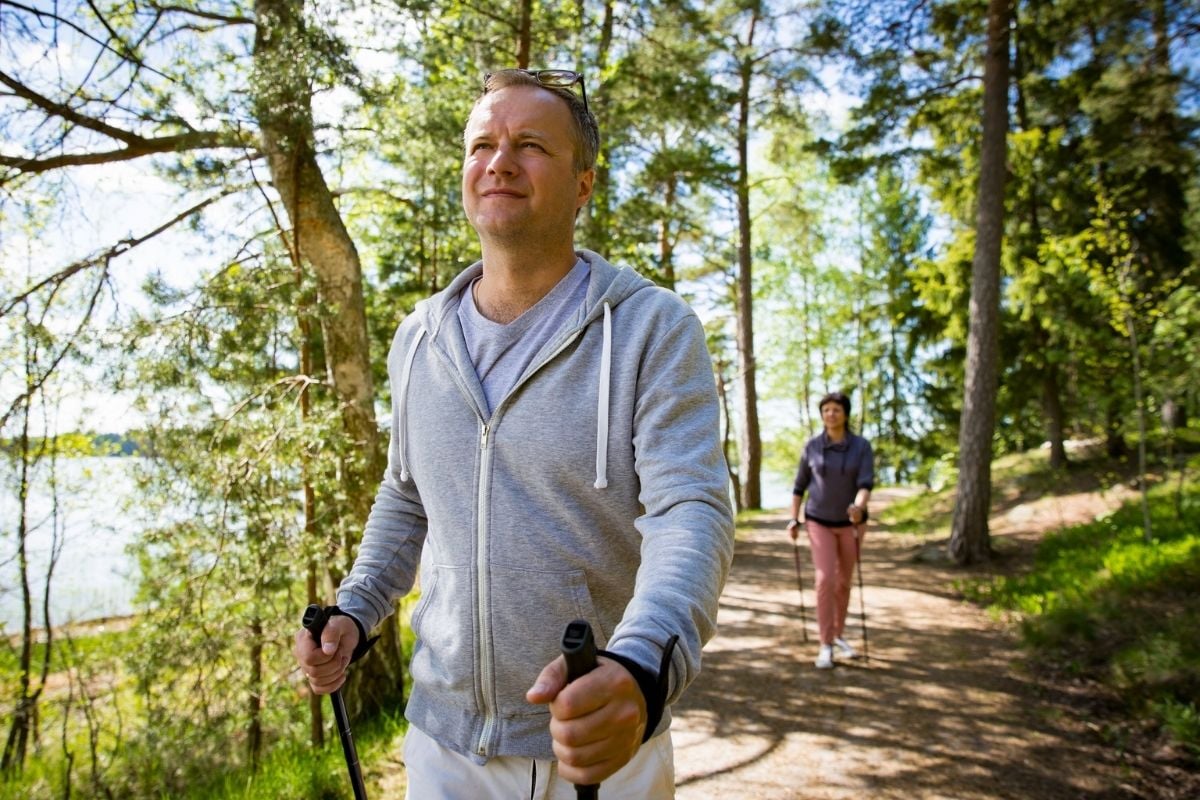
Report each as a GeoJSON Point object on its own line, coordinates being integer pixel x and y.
{"type": "Point", "coordinates": [969, 540]}
{"type": "Point", "coordinates": [764, 71]}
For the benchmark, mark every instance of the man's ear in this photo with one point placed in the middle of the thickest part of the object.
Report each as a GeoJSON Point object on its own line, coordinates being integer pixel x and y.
{"type": "Point", "coordinates": [586, 180]}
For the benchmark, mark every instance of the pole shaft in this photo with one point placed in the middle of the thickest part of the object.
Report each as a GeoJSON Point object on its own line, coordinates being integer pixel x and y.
{"type": "Point", "coordinates": [348, 748]}
{"type": "Point", "coordinates": [800, 587]}
{"type": "Point", "coordinates": [862, 600]}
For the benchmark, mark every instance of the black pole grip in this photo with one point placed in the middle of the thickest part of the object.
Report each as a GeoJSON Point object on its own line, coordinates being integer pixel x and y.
{"type": "Point", "coordinates": [579, 650]}
{"type": "Point", "coordinates": [314, 621]}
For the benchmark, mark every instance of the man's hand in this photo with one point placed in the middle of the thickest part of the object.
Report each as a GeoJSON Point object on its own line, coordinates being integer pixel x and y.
{"type": "Point", "coordinates": [597, 722]}
{"type": "Point", "coordinates": [325, 666]}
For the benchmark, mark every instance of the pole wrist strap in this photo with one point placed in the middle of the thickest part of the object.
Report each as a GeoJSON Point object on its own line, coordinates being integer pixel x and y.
{"type": "Point", "coordinates": [364, 644]}
{"type": "Point", "coordinates": [654, 687]}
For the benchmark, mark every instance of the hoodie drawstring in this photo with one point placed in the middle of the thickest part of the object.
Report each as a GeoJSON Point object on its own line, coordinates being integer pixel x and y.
{"type": "Point", "coordinates": [602, 403]}
{"type": "Point", "coordinates": [402, 400]}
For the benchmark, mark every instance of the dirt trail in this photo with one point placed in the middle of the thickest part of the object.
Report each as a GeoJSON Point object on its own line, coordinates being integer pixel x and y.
{"type": "Point", "coordinates": [945, 707]}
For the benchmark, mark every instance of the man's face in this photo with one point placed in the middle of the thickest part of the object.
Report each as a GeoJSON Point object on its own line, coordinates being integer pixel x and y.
{"type": "Point", "coordinates": [518, 173]}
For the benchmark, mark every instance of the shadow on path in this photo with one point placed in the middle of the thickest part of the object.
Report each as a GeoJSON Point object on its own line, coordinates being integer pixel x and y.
{"type": "Point", "coordinates": [941, 709]}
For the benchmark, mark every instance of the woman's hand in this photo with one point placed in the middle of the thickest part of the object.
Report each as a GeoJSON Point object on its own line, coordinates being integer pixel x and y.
{"type": "Point", "coordinates": [793, 528]}
{"type": "Point", "coordinates": [856, 513]}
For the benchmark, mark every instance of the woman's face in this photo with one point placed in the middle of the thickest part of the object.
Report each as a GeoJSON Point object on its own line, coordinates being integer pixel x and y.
{"type": "Point", "coordinates": [834, 416]}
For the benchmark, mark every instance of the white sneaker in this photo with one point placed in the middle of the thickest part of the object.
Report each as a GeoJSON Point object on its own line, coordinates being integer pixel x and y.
{"type": "Point", "coordinates": [844, 648]}
{"type": "Point", "coordinates": [825, 657]}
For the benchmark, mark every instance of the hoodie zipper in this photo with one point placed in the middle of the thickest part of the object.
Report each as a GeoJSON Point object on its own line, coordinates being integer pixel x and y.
{"type": "Point", "coordinates": [487, 679]}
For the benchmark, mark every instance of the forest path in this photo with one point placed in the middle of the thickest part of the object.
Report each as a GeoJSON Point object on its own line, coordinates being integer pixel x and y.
{"type": "Point", "coordinates": [944, 708]}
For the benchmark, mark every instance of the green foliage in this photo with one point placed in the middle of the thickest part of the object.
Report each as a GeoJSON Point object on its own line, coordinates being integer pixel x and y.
{"type": "Point", "coordinates": [290, 771]}
{"type": "Point", "coordinates": [179, 738]}
{"type": "Point", "coordinates": [1102, 602]}
{"type": "Point", "coordinates": [1101, 162]}
{"type": "Point", "coordinates": [80, 715]}
{"type": "Point", "coordinates": [296, 770]}
{"type": "Point", "coordinates": [1182, 719]}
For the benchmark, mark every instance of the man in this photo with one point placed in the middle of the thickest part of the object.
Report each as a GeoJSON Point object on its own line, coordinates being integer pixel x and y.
{"type": "Point", "coordinates": [554, 455]}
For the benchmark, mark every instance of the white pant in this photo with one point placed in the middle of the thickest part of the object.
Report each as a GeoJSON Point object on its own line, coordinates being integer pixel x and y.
{"type": "Point", "coordinates": [438, 773]}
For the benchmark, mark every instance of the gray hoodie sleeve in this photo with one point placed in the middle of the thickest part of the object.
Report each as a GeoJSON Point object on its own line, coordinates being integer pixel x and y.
{"type": "Point", "coordinates": [386, 565]}
{"type": "Point", "coordinates": [687, 526]}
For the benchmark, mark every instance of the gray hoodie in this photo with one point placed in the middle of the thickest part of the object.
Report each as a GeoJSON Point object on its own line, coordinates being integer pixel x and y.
{"type": "Point", "coordinates": [596, 489]}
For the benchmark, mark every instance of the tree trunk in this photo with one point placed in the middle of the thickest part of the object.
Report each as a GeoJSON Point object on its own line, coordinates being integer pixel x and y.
{"type": "Point", "coordinates": [895, 405]}
{"type": "Point", "coordinates": [1052, 405]}
{"type": "Point", "coordinates": [1115, 445]}
{"type": "Point", "coordinates": [254, 694]}
{"type": "Point", "coordinates": [750, 460]}
{"type": "Point", "coordinates": [283, 105]}
{"type": "Point", "coordinates": [524, 34]}
{"type": "Point", "coordinates": [599, 208]}
{"type": "Point", "coordinates": [859, 357]}
{"type": "Point", "coordinates": [312, 589]}
{"type": "Point", "coordinates": [666, 242]}
{"type": "Point", "coordinates": [726, 444]}
{"type": "Point", "coordinates": [23, 727]}
{"type": "Point", "coordinates": [16, 745]}
{"type": "Point", "coordinates": [1147, 532]}
{"type": "Point", "coordinates": [806, 328]}
{"type": "Point", "coordinates": [969, 539]}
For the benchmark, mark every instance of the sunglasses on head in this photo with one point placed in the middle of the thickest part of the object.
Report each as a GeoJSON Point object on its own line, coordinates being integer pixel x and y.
{"type": "Point", "coordinates": [551, 79]}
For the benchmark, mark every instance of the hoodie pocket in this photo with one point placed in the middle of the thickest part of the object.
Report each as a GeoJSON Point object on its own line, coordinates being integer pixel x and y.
{"type": "Point", "coordinates": [530, 611]}
{"type": "Point", "coordinates": [444, 657]}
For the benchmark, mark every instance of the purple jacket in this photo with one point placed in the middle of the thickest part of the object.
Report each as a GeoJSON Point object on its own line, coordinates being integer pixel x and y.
{"type": "Point", "coordinates": [832, 473]}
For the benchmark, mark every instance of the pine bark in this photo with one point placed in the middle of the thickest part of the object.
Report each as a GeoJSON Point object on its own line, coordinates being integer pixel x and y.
{"type": "Point", "coordinates": [969, 539]}
{"type": "Point", "coordinates": [750, 460]}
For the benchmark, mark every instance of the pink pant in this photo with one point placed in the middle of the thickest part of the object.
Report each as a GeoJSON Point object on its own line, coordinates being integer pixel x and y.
{"type": "Point", "coordinates": [833, 554]}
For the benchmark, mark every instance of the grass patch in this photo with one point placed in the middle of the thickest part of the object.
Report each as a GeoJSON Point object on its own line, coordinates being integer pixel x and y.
{"type": "Point", "coordinates": [298, 770]}
{"type": "Point", "coordinates": [1101, 602]}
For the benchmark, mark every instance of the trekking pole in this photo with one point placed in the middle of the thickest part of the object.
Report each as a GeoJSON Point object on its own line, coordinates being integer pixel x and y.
{"type": "Point", "coordinates": [800, 586]}
{"type": "Point", "coordinates": [862, 602]}
{"type": "Point", "coordinates": [579, 650]}
{"type": "Point", "coordinates": [314, 622]}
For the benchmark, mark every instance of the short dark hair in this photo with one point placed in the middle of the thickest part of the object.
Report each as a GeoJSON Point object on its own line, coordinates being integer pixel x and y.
{"type": "Point", "coordinates": [835, 397]}
{"type": "Point", "coordinates": [584, 128]}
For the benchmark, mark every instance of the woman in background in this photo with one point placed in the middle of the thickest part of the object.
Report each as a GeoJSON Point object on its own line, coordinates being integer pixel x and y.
{"type": "Point", "coordinates": [837, 470]}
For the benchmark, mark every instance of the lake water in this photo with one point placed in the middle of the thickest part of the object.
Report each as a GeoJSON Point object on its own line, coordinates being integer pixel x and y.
{"type": "Point", "coordinates": [94, 576]}
{"type": "Point", "coordinates": [776, 491]}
